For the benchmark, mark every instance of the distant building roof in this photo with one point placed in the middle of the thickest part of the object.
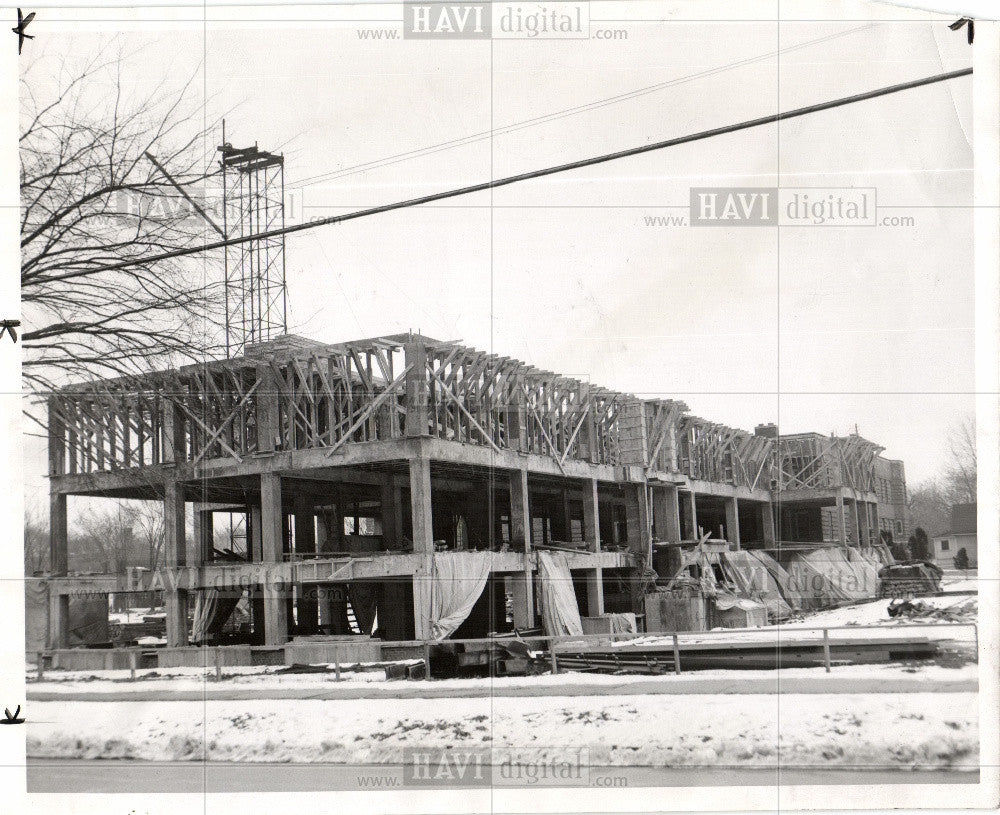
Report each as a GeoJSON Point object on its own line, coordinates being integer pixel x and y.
{"type": "Point", "coordinates": [963, 521]}
{"type": "Point", "coordinates": [963, 518]}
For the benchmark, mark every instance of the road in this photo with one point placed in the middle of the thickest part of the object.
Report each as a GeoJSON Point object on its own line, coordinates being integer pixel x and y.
{"type": "Point", "coordinates": [210, 777]}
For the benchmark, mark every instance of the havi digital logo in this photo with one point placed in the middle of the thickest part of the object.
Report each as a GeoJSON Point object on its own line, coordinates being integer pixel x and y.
{"type": "Point", "coordinates": [439, 21]}
{"type": "Point", "coordinates": [555, 19]}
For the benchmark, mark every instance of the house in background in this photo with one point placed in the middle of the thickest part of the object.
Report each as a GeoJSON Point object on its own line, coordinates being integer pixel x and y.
{"type": "Point", "coordinates": [961, 534]}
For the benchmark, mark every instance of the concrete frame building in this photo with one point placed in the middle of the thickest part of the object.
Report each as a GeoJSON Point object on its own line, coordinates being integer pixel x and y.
{"type": "Point", "coordinates": [353, 464]}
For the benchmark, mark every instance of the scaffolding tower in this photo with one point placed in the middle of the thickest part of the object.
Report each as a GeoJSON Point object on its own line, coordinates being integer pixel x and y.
{"type": "Point", "coordinates": [253, 187]}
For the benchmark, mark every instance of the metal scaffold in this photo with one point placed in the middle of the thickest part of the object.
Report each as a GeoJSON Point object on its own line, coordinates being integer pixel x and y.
{"type": "Point", "coordinates": [253, 182]}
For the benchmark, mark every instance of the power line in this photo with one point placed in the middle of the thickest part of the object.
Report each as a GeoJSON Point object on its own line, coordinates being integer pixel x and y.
{"type": "Point", "coordinates": [559, 114]}
{"type": "Point", "coordinates": [513, 179]}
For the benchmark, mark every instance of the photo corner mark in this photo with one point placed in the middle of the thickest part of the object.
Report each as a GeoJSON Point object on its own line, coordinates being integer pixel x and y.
{"type": "Point", "coordinates": [10, 327]}
{"type": "Point", "coordinates": [19, 29]}
{"type": "Point", "coordinates": [971, 27]}
{"type": "Point", "coordinates": [12, 718]}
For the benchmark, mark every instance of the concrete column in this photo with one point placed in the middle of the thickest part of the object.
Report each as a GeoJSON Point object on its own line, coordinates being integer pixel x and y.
{"type": "Point", "coordinates": [305, 544]}
{"type": "Point", "coordinates": [666, 514]}
{"type": "Point", "coordinates": [268, 412]}
{"type": "Point", "coordinates": [840, 525]}
{"type": "Point", "coordinates": [861, 517]}
{"type": "Point", "coordinates": [421, 509]}
{"type": "Point", "coordinates": [522, 591]}
{"type": "Point", "coordinates": [595, 592]}
{"type": "Point", "coordinates": [204, 534]}
{"type": "Point", "coordinates": [591, 515]}
{"type": "Point", "coordinates": [767, 524]}
{"type": "Point", "coordinates": [417, 419]}
{"type": "Point", "coordinates": [853, 529]}
{"type": "Point", "coordinates": [691, 533]}
{"type": "Point", "coordinates": [520, 520]}
{"type": "Point", "coordinates": [271, 532]}
{"type": "Point", "coordinates": [520, 535]}
{"type": "Point", "coordinates": [640, 541]}
{"type": "Point", "coordinates": [390, 529]}
{"type": "Point", "coordinates": [275, 611]}
{"type": "Point", "coordinates": [177, 618]}
{"type": "Point", "coordinates": [254, 533]}
{"type": "Point", "coordinates": [58, 619]}
{"type": "Point", "coordinates": [58, 535]}
{"type": "Point", "coordinates": [271, 521]}
{"type": "Point", "coordinates": [175, 556]}
{"type": "Point", "coordinates": [733, 521]}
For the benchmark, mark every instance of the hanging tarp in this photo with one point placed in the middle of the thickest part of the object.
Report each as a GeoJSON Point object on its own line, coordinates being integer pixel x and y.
{"type": "Point", "coordinates": [795, 591]}
{"type": "Point", "coordinates": [758, 583]}
{"type": "Point", "coordinates": [204, 609]}
{"type": "Point", "coordinates": [560, 612]}
{"type": "Point", "coordinates": [831, 576]}
{"type": "Point", "coordinates": [363, 598]}
{"type": "Point", "coordinates": [459, 578]}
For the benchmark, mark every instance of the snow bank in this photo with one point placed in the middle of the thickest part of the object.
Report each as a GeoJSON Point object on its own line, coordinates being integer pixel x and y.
{"type": "Point", "coordinates": [898, 731]}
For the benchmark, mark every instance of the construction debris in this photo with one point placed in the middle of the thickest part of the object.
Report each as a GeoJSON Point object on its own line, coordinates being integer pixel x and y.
{"type": "Point", "coordinates": [909, 579]}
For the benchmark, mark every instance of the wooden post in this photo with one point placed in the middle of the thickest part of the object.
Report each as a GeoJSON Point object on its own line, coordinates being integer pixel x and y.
{"type": "Point", "coordinates": [131, 665]}
{"type": "Point", "coordinates": [336, 662]}
{"type": "Point", "coordinates": [552, 655]}
{"type": "Point", "coordinates": [677, 655]}
{"type": "Point", "coordinates": [218, 664]}
{"type": "Point", "coordinates": [826, 649]}
{"type": "Point", "coordinates": [427, 660]}
{"type": "Point", "coordinates": [40, 664]}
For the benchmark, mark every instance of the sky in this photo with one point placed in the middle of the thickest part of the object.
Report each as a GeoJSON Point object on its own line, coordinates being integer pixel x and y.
{"type": "Point", "coordinates": [829, 329]}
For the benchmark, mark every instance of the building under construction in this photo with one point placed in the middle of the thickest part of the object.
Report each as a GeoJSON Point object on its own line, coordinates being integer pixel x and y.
{"type": "Point", "coordinates": [357, 469]}
{"type": "Point", "coordinates": [402, 488]}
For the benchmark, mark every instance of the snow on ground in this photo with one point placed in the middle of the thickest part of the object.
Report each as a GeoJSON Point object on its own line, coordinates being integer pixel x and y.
{"type": "Point", "coordinates": [899, 730]}
{"type": "Point", "coordinates": [117, 683]}
{"type": "Point", "coordinates": [876, 613]}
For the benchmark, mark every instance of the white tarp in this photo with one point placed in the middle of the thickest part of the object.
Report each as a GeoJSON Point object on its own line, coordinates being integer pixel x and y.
{"type": "Point", "coordinates": [560, 612]}
{"type": "Point", "coordinates": [204, 608]}
{"type": "Point", "coordinates": [459, 578]}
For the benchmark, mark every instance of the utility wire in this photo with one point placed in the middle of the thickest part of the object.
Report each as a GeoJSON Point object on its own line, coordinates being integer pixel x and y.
{"type": "Point", "coordinates": [513, 179]}
{"type": "Point", "coordinates": [559, 114]}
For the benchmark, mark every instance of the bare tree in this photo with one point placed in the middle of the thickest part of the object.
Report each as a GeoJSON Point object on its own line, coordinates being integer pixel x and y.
{"type": "Point", "coordinates": [91, 197]}
{"type": "Point", "coordinates": [146, 518]}
{"type": "Point", "coordinates": [928, 506]}
{"type": "Point", "coordinates": [960, 476]}
{"type": "Point", "coordinates": [104, 541]}
{"type": "Point", "coordinates": [36, 543]}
